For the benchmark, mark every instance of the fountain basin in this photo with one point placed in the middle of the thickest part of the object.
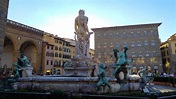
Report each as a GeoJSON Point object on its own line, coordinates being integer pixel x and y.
{"type": "Point", "coordinates": [66, 84]}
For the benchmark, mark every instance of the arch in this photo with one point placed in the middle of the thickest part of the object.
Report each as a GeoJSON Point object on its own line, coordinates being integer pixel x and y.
{"type": "Point", "coordinates": [30, 51]}
{"type": "Point", "coordinates": [8, 49]}
{"type": "Point", "coordinates": [29, 42]}
{"type": "Point", "coordinates": [12, 39]}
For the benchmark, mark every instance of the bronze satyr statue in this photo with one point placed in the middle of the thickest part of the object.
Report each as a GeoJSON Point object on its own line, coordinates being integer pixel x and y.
{"type": "Point", "coordinates": [102, 79]}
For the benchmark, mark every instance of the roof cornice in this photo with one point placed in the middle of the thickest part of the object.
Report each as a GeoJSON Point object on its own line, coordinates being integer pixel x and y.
{"type": "Point", "coordinates": [128, 26]}
{"type": "Point", "coordinates": [24, 27]}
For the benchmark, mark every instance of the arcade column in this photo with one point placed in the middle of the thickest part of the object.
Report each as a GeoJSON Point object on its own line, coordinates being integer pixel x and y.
{"type": "Point", "coordinates": [3, 19]}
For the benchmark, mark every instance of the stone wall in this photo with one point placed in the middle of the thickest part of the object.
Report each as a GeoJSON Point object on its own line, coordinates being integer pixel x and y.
{"type": "Point", "coordinates": [3, 17]}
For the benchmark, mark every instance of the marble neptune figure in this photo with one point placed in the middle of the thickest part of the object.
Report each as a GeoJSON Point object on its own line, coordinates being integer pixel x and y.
{"type": "Point", "coordinates": [82, 35]}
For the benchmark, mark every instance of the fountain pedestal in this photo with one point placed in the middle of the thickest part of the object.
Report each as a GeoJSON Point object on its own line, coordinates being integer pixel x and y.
{"type": "Point", "coordinates": [83, 67]}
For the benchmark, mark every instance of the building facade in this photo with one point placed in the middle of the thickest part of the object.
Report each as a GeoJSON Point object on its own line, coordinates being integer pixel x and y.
{"type": "Point", "coordinates": [56, 52]}
{"type": "Point", "coordinates": [20, 38]}
{"type": "Point", "coordinates": [142, 41]}
{"type": "Point", "coordinates": [168, 52]}
{"type": "Point", "coordinates": [48, 53]}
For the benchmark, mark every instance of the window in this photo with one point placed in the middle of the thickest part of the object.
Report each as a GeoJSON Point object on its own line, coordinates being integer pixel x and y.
{"type": "Point", "coordinates": [59, 63]}
{"type": "Point", "coordinates": [146, 43]}
{"type": "Point", "coordinates": [133, 54]}
{"type": "Point", "coordinates": [132, 44]}
{"type": "Point", "coordinates": [124, 44]}
{"type": "Point", "coordinates": [167, 52]}
{"type": "Point", "coordinates": [56, 48]}
{"type": "Point", "coordinates": [138, 34]}
{"type": "Point", "coordinates": [117, 35]}
{"type": "Point", "coordinates": [52, 54]}
{"type": "Point", "coordinates": [117, 45]}
{"type": "Point", "coordinates": [55, 63]}
{"type": "Point", "coordinates": [60, 49]}
{"type": "Point", "coordinates": [132, 34]}
{"type": "Point", "coordinates": [147, 53]}
{"type": "Point", "coordinates": [51, 62]}
{"type": "Point", "coordinates": [124, 35]}
{"type": "Point", "coordinates": [56, 41]}
{"type": "Point", "coordinates": [152, 33]}
{"type": "Point", "coordinates": [47, 54]}
{"type": "Point", "coordinates": [154, 53]}
{"type": "Point", "coordinates": [145, 33]}
{"type": "Point", "coordinates": [60, 55]}
{"type": "Point", "coordinates": [139, 43]}
{"type": "Point", "coordinates": [152, 42]}
{"type": "Point", "coordinates": [56, 54]}
{"type": "Point", "coordinates": [47, 62]}
{"type": "Point", "coordinates": [140, 54]}
{"type": "Point", "coordinates": [47, 47]}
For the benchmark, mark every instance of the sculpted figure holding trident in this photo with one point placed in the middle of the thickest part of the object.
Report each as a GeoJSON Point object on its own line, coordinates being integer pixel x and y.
{"type": "Point", "coordinates": [82, 35]}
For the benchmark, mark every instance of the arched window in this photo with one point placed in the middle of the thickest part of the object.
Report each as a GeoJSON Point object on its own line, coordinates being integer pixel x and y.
{"type": "Point", "coordinates": [60, 49]}
{"type": "Point", "coordinates": [56, 54]}
{"type": "Point", "coordinates": [56, 48]}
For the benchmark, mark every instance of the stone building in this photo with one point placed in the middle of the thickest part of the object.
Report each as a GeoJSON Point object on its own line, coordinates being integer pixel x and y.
{"type": "Point", "coordinates": [141, 39]}
{"type": "Point", "coordinates": [168, 52]}
{"type": "Point", "coordinates": [3, 17]}
{"type": "Point", "coordinates": [56, 51]}
{"type": "Point", "coordinates": [48, 53]}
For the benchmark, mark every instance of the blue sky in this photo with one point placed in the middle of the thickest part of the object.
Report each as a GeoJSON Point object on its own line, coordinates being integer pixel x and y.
{"type": "Point", "coordinates": [57, 16]}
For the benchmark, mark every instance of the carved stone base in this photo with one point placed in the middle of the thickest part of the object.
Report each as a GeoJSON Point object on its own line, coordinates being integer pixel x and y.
{"type": "Point", "coordinates": [27, 71]}
{"type": "Point", "coordinates": [80, 67]}
{"type": "Point", "coordinates": [84, 71]}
